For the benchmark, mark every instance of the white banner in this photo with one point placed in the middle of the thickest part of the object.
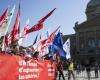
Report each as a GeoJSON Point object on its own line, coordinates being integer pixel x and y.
{"type": "Point", "coordinates": [66, 48]}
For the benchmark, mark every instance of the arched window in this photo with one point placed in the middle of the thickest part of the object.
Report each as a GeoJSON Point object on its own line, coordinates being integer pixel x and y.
{"type": "Point", "coordinates": [91, 43]}
{"type": "Point", "coordinates": [81, 43]}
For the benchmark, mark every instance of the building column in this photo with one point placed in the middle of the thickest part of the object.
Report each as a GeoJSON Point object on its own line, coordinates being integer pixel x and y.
{"type": "Point", "coordinates": [77, 42]}
{"type": "Point", "coordinates": [85, 39]}
{"type": "Point", "coordinates": [96, 43]}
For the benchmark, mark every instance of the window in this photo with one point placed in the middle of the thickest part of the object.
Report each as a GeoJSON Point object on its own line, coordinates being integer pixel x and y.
{"type": "Point", "coordinates": [91, 43]}
{"type": "Point", "coordinates": [81, 43]}
{"type": "Point", "coordinates": [99, 43]}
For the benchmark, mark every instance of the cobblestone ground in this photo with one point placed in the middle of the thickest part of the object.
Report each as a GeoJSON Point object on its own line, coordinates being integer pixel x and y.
{"type": "Point", "coordinates": [82, 76]}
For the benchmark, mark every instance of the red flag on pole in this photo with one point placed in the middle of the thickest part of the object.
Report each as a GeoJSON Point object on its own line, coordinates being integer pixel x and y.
{"type": "Point", "coordinates": [16, 28]}
{"type": "Point", "coordinates": [23, 35]}
{"type": "Point", "coordinates": [51, 37]}
{"type": "Point", "coordinates": [3, 17]}
{"type": "Point", "coordinates": [44, 18]}
{"type": "Point", "coordinates": [46, 42]}
{"type": "Point", "coordinates": [39, 25]}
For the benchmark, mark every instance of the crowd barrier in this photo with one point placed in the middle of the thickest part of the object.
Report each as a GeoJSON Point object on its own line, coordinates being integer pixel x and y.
{"type": "Point", "coordinates": [14, 67]}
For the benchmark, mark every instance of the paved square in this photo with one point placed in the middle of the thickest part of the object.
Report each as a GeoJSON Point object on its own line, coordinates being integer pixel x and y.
{"type": "Point", "coordinates": [81, 76]}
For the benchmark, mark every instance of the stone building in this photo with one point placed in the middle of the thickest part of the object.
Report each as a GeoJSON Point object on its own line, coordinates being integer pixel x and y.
{"type": "Point", "coordinates": [85, 43]}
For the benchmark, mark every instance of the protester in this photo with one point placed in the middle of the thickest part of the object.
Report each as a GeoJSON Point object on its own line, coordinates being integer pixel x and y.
{"type": "Point", "coordinates": [96, 70]}
{"type": "Point", "coordinates": [27, 56]}
{"type": "Point", "coordinates": [88, 69]}
{"type": "Point", "coordinates": [70, 69]}
{"type": "Point", "coordinates": [22, 52]}
{"type": "Point", "coordinates": [36, 55]}
{"type": "Point", "coordinates": [60, 69]}
{"type": "Point", "coordinates": [8, 50]}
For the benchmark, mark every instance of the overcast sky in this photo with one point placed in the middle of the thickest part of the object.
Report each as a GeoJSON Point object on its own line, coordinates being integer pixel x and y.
{"type": "Point", "coordinates": [66, 14]}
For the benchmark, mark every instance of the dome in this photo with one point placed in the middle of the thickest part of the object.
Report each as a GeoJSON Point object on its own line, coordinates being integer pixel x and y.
{"type": "Point", "coordinates": [93, 3]}
{"type": "Point", "coordinates": [93, 9]}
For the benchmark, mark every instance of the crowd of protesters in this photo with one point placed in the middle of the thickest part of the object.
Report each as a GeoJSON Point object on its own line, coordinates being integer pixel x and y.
{"type": "Point", "coordinates": [28, 53]}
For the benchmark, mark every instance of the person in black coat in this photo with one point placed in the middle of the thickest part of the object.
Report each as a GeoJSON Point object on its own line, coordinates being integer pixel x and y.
{"type": "Point", "coordinates": [88, 69]}
{"type": "Point", "coordinates": [96, 70]}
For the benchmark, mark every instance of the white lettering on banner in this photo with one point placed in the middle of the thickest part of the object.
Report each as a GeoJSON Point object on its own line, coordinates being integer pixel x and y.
{"type": "Point", "coordinates": [29, 69]}
{"type": "Point", "coordinates": [51, 70]}
{"type": "Point", "coordinates": [23, 77]}
{"type": "Point", "coordinates": [24, 63]}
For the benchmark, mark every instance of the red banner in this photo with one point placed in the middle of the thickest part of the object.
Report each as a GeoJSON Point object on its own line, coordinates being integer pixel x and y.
{"type": "Point", "coordinates": [14, 67]}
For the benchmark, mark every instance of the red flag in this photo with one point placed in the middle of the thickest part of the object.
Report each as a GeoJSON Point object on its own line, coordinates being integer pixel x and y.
{"type": "Point", "coordinates": [3, 17]}
{"type": "Point", "coordinates": [44, 18]}
{"type": "Point", "coordinates": [35, 28]}
{"type": "Point", "coordinates": [23, 35]}
{"type": "Point", "coordinates": [26, 27]}
{"type": "Point", "coordinates": [16, 28]}
{"type": "Point", "coordinates": [51, 37]}
{"type": "Point", "coordinates": [46, 42]}
{"type": "Point", "coordinates": [39, 25]}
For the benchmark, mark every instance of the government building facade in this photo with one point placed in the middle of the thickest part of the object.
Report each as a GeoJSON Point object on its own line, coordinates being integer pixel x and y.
{"type": "Point", "coordinates": [85, 43]}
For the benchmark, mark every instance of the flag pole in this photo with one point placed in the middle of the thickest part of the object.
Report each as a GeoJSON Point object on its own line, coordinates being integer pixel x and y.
{"type": "Point", "coordinates": [18, 46]}
{"type": "Point", "coordinates": [3, 44]}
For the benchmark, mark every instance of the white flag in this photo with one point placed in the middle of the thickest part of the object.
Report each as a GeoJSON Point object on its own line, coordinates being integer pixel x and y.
{"type": "Point", "coordinates": [3, 45]}
{"type": "Point", "coordinates": [8, 21]}
{"type": "Point", "coordinates": [22, 36]}
{"type": "Point", "coordinates": [66, 48]}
